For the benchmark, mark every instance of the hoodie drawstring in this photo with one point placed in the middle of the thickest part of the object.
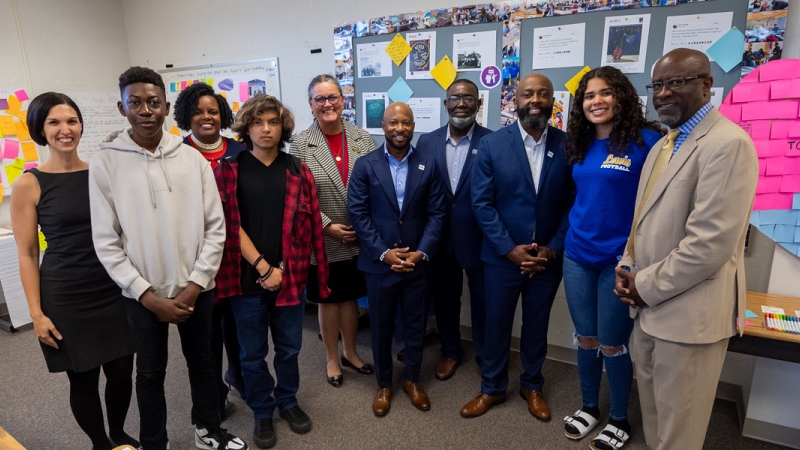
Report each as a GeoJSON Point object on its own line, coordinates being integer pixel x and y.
{"type": "Point", "coordinates": [163, 169]}
{"type": "Point", "coordinates": [150, 181]}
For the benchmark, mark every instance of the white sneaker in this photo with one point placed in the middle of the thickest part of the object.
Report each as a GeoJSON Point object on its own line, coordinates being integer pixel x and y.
{"type": "Point", "coordinates": [219, 440]}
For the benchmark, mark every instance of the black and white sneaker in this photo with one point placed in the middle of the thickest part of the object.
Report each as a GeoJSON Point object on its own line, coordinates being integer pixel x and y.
{"type": "Point", "coordinates": [264, 433]}
{"type": "Point", "coordinates": [298, 421]}
{"type": "Point", "coordinates": [217, 440]}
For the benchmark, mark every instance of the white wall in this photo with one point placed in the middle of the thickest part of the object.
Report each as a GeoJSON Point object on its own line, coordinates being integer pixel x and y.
{"type": "Point", "coordinates": [76, 45]}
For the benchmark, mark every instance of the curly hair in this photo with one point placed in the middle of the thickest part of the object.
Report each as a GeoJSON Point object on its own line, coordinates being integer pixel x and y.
{"type": "Point", "coordinates": [137, 74]}
{"type": "Point", "coordinates": [629, 118]}
{"type": "Point", "coordinates": [187, 102]}
{"type": "Point", "coordinates": [39, 109]}
{"type": "Point", "coordinates": [253, 109]}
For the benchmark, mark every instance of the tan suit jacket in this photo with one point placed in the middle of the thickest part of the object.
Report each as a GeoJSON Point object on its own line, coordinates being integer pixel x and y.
{"type": "Point", "coordinates": [689, 238]}
{"type": "Point", "coordinates": [312, 148]}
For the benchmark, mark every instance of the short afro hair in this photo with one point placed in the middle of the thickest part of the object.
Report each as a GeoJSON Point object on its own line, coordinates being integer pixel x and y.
{"type": "Point", "coordinates": [137, 74]}
{"type": "Point", "coordinates": [39, 109]}
{"type": "Point", "coordinates": [187, 102]}
{"type": "Point", "coordinates": [253, 109]}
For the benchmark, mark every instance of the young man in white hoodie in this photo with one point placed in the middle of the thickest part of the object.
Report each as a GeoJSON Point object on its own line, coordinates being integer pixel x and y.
{"type": "Point", "coordinates": [159, 229]}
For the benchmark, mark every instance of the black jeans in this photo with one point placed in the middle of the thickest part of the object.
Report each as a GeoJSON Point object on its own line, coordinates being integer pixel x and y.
{"type": "Point", "coordinates": [150, 338]}
{"type": "Point", "coordinates": [224, 332]}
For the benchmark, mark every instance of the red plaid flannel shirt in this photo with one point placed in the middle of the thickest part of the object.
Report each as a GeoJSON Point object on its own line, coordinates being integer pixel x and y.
{"type": "Point", "coordinates": [302, 230]}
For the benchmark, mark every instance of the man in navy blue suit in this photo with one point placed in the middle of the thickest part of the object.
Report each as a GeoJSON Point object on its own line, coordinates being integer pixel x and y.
{"type": "Point", "coordinates": [454, 146]}
{"type": "Point", "coordinates": [396, 205]}
{"type": "Point", "coordinates": [522, 192]}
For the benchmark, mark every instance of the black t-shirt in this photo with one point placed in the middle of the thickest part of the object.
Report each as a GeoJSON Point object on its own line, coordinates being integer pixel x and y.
{"type": "Point", "coordinates": [261, 190]}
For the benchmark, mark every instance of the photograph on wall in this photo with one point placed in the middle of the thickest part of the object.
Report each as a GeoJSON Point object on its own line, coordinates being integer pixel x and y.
{"type": "Point", "coordinates": [510, 71]}
{"type": "Point", "coordinates": [696, 31]}
{"type": "Point", "coordinates": [411, 21]}
{"type": "Point", "coordinates": [343, 30]}
{"type": "Point", "coordinates": [349, 115]}
{"type": "Point", "coordinates": [508, 108]}
{"type": "Point", "coordinates": [482, 116]}
{"type": "Point", "coordinates": [764, 32]}
{"type": "Point", "coordinates": [511, 29]}
{"type": "Point", "coordinates": [560, 110]}
{"type": "Point", "coordinates": [439, 18]}
{"type": "Point", "coordinates": [343, 70]}
{"type": "Point", "coordinates": [347, 86]}
{"type": "Point", "coordinates": [422, 57]}
{"type": "Point", "coordinates": [625, 42]}
{"type": "Point", "coordinates": [474, 51]}
{"type": "Point", "coordinates": [559, 46]}
{"type": "Point", "coordinates": [481, 13]}
{"type": "Point", "coordinates": [373, 61]}
{"type": "Point", "coordinates": [361, 28]}
{"type": "Point", "coordinates": [374, 104]}
{"type": "Point", "coordinates": [380, 25]}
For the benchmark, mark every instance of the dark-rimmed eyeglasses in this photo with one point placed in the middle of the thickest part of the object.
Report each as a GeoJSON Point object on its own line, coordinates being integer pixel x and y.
{"type": "Point", "coordinates": [468, 100]}
{"type": "Point", "coordinates": [332, 99]}
{"type": "Point", "coordinates": [672, 84]}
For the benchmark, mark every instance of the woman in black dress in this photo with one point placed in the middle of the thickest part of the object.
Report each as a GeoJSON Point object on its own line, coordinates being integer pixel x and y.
{"type": "Point", "coordinates": [77, 310]}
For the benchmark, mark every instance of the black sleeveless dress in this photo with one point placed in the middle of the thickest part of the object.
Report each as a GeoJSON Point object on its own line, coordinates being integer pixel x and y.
{"type": "Point", "coordinates": [77, 294]}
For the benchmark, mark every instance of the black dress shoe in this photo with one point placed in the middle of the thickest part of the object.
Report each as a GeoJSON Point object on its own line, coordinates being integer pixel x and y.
{"type": "Point", "coordinates": [336, 381]}
{"type": "Point", "coordinates": [366, 369]}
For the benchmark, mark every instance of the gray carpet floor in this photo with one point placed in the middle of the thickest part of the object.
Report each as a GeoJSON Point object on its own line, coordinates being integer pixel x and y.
{"type": "Point", "coordinates": [34, 406]}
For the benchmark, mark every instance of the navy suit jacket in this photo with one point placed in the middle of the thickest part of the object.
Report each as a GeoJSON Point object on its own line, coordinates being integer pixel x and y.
{"type": "Point", "coordinates": [378, 221]}
{"type": "Point", "coordinates": [508, 209]}
{"type": "Point", "coordinates": [461, 231]}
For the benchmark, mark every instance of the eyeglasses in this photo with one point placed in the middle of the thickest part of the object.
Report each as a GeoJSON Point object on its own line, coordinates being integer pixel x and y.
{"type": "Point", "coordinates": [468, 100]}
{"type": "Point", "coordinates": [333, 99]}
{"type": "Point", "coordinates": [672, 83]}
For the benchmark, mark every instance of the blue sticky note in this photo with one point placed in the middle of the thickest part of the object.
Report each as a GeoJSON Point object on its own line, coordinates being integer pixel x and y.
{"type": "Point", "coordinates": [791, 248]}
{"type": "Point", "coordinates": [796, 201]}
{"type": "Point", "coordinates": [727, 50]}
{"type": "Point", "coordinates": [784, 233]}
{"type": "Point", "coordinates": [768, 230]}
{"type": "Point", "coordinates": [750, 314]}
{"type": "Point", "coordinates": [779, 217]}
{"type": "Point", "coordinates": [400, 92]}
{"type": "Point", "coordinates": [797, 235]}
{"type": "Point", "coordinates": [754, 218]}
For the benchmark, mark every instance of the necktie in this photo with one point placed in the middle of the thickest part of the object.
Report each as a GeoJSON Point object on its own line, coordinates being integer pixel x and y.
{"type": "Point", "coordinates": [662, 160]}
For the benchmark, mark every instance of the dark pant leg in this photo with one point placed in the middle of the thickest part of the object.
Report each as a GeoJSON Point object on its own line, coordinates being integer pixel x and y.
{"type": "Point", "coordinates": [119, 387]}
{"type": "Point", "coordinates": [383, 296]}
{"type": "Point", "coordinates": [216, 349]}
{"type": "Point", "coordinates": [84, 400]}
{"type": "Point", "coordinates": [286, 325]}
{"type": "Point", "coordinates": [415, 298]}
{"type": "Point", "coordinates": [150, 342]}
{"type": "Point", "coordinates": [446, 279]}
{"type": "Point", "coordinates": [503, 286]}
{"type": "Point", "coordinates": [196, 345]}
{"type": "Point", "coordinates": [231, 340]}
{"type": "Point", "coordinates": [477, 299]}
{"type": "Point", "coordinates": [537, 300]}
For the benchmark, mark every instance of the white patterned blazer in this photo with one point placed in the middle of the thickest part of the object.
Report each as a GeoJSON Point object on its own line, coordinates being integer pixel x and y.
{"type": "Point", "coordinates": [312, 148]}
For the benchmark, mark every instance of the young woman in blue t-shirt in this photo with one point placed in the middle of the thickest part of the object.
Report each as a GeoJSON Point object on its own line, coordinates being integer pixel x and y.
{"type": "Point", "coordinates": [608, 139]}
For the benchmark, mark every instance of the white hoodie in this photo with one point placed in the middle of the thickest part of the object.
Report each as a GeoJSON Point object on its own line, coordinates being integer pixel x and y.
{"type": "Point", "coordinates": [157, 219]}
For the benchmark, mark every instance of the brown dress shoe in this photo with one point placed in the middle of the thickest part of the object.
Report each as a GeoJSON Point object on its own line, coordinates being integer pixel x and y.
{"type": "Point", "coordinates": [382, 401]}
{"type": "Point", "coordinates": [446, 368]}
{"type": "Point", "coordinates": [480, 404]}
{"type": "Point", "coordinates": [536, 404]}
{"type": "Point", "coordinates": [418, 396]}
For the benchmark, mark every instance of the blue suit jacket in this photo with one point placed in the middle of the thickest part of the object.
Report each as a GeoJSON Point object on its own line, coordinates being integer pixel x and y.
{"type": "Point", "coordinates": [506, 206]}
{"type": "Point", "coordinates": [460, 232]}
{"type": "Point", "coordinates": [378, 221]}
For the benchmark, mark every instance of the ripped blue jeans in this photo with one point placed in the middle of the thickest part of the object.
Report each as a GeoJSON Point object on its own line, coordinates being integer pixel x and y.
{"type": "Point", "coordinates": [598, 313]}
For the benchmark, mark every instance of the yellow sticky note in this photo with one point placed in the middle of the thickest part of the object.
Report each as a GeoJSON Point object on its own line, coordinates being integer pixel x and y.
{"type": "Point", "coordinates": [15, 107]}
{"type": "Point", "coordinates": [224, 95]}
{"type": "Point", "coordinates": [19, 164]}
{"type": "Point", "coordinates": [398, 49]}
{"type": "Point", "coordinates": [235, 107]}
{"type": "Point", "coordinates": [29, 151]}
{"type": "Point", "coordinates": [12, 173]}
{"type": "Point", "coordinates": [42, 242]}
{"type": "Point", "coordinates": [572, 84]}
{"type": "Point", "coordinates": [22, 131]}
{"type": "Point", "coordinates": [1, 192]}
{"type": "Point", "coordinates": [7, 125]}
{"type": "Point", "coordinates": [210, 82]}
{"type": "Point", "coordinates": [444, 73]}
{"type": "Point", "coordinates": [175, 131]}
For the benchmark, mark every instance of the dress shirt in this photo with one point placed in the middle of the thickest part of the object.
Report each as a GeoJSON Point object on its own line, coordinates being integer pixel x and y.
{"type": "Point", "coordinates": [456, 153]}
{"type": "Point", "coordinates": [535, 152]}
{"type": "Point", "coordinates": [399, 170]}
{"type": "Point", "coordinates": [689, 125]}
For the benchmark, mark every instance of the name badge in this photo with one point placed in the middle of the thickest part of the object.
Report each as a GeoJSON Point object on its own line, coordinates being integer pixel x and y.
{"type": "Point", "coordinates": [549, 154]}
{"type": "Point", "coordinates": [421, 167]}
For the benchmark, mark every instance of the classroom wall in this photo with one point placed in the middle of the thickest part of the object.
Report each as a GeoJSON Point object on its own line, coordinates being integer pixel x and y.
{"type": "Point", "coordinates": [79, 45]}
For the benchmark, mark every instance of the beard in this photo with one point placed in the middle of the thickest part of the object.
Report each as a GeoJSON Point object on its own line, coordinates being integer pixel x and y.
{"type": "Point", "coordinates": [463, 122]}
{"type": "Point", "coordinates": [535, 122]}
{"type": "Point", "coordinates": [668, 119]}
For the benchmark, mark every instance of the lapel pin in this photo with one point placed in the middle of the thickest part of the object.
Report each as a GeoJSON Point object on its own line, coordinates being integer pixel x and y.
{"type": "Point", "coordinates": [549, 154]}
{"type": "Point", "coordinates": [474, 151]}
{"type": "Point", "coordinates": [421, 167]}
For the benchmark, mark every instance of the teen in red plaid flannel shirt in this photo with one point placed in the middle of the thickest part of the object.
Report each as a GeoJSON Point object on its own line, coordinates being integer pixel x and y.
{"type": "Point", "coordinates": [273, 277]}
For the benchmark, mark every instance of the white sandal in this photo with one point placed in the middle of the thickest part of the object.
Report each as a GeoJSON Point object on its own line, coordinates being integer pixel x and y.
{"type": "Point", "coordinates": [611, 438]}
{"type": "Point", "coordinates": [582, 421]}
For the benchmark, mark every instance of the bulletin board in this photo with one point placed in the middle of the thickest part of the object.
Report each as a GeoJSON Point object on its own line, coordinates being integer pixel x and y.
{"type": "Point", "coordinates": [595, 25]}
{"type": "Point", "coordinates": [236, 81]}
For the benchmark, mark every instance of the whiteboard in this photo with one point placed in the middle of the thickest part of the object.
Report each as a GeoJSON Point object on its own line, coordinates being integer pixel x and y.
{"type": "Point", "coordinates": [100, 117]}
{"type": "Point", "coordinates": [237, 81]}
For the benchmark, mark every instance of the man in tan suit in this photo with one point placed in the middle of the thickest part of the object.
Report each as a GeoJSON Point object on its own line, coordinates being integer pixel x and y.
{"type": "Point", "coordinates": [683, 269]}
